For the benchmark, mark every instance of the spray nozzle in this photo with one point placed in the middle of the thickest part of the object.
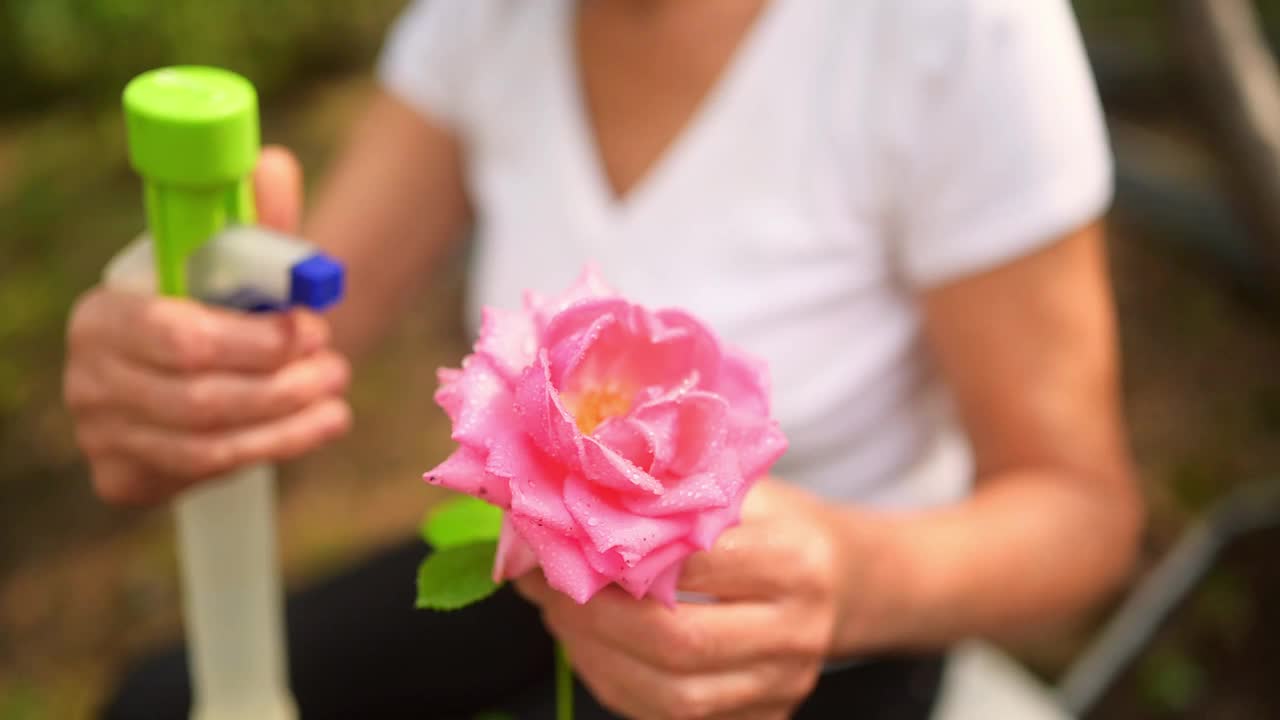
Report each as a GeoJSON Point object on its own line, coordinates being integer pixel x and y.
{"type": "Point", "coordinates": [243, 267]}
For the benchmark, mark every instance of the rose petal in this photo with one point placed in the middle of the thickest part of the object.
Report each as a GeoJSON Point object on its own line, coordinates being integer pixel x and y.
{"type": "Point", "coordinates": [640, 350]}
{"type": "Point", "coordinates": [628, 440]}
{"type": "Point", "coordinates": [758, 442]}
{"type": "Point", "coordinates": [691, 344]}
{"type": "Point", "coordinates": [708, 525]}
{"type": "Point", "coordinates": [640, 578]}
{"type": "Point", "coordinates": [744, 383]}
{"type": "Point", "coordinates": [608, 341]}
{"type": "Point", "coordinates": [589, 284]}
{"type": "Point", "coordinates": [707, 490]}
{"type": "Point", "coordinates": [514, 557]}
{"type": "Point", "coordinates": [507, 338]}
{"type": "Point", "coordinates": [608, 564]}
{"type": "Point", "coordinates": [447, 375]}
{"type": "Point", "coordinates": [687, 430]}
{"type": "Point", "coordinates": [663, 588]}
{"type": "Point", "coordinates": [544, 417]}
{"type": "Point", "coordinates": [658, 421]}
{"type": "Point", "coordinates": [562, 561]}
{"type": "Point", "coordinates": [540, 498]}
{"type": "Point", "coordinates": [571, 335]}
{"type": "Point", "coordinates": [610, 527]}
{"type": "Point", "coordinates": [517, 457]}
{"type": "Point", "coordinates": [478, 401]}
{"type": "Point", "coordinates": [449, 395]}
{"type": "Point", "coordinates": [464, 471]}
{"type": "Point", "coordinates": [608, 469]}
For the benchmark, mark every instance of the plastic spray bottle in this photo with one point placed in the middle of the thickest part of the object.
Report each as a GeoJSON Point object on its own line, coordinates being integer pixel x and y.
{"type": "Point", "coordinates": [193, 137]}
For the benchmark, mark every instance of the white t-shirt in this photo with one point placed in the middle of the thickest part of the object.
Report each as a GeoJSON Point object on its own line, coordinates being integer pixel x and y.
{"type": "Point", "coordinates": [852, 153]}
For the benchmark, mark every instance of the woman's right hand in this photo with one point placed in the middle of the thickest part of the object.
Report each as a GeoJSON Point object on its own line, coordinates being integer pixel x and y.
{"type": "Point", "coordinates": [165, 392]}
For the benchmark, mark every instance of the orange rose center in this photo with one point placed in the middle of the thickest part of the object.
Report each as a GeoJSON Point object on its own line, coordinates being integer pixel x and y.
{"type": "Point", "coordinates": [593, 406]}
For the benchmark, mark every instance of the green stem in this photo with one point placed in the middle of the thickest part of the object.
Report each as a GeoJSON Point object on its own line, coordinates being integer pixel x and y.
{"type": "Point", "coordinates": [564, 686]}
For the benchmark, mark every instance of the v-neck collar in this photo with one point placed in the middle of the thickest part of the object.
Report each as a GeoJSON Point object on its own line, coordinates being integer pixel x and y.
{"type": "Point", "coordinates": [680, 151]}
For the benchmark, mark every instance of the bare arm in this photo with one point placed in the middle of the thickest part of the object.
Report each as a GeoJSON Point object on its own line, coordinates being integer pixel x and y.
{"type": "Point", "coordinates": [1029, 351]}
{"type": "Point", "coordinates": [392, 205]}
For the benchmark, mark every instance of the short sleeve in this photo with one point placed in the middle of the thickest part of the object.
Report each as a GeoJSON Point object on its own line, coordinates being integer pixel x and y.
{"type": "Point", "coordinates": [426, 56]}
{"type": "Point", "coordinates": [1003, 148]}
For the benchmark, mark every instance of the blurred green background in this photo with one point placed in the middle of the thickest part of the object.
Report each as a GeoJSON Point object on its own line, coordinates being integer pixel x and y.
{"type": "Point", "coordinates": [83, 587]}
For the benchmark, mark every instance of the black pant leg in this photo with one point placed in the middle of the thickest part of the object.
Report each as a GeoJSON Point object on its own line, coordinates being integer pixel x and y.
{"type": "Point", "coordinates": [897, 687]}
{"type": "Point", "coordinates": [358, 648]}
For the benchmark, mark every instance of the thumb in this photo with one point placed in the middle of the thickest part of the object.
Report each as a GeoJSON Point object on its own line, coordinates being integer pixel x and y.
{"type": "Point", "coordinates": [277, 187]}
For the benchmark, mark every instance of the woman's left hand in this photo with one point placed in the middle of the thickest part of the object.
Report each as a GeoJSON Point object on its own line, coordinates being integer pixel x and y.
{"type": "Point", "coordinates": [755, 652]}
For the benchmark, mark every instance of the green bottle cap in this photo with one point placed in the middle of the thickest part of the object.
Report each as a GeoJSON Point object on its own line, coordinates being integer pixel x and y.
{"type": "Point", "coordinates": [193, 137]}
{"type": "Point", "coordinates": [192, 126]}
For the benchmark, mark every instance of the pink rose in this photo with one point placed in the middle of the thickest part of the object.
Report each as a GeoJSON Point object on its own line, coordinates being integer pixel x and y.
{"type": "Point", "coordinates": [617, 439]}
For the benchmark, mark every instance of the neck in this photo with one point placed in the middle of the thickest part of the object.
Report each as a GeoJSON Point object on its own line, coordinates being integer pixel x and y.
{"type": "Point", "coordinates": [658, 9]}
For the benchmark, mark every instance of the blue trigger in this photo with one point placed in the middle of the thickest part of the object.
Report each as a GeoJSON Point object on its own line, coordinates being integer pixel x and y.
{"type": "Point", "coordinates": [316, 282]}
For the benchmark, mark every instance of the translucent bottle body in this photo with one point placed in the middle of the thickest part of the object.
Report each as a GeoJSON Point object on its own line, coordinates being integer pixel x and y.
{"type": "Point", "coordinates": [232, 596]}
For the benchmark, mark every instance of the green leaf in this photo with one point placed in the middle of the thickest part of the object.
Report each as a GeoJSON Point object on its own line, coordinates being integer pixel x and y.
{"type": "Point", "coordinates": [454, 577]}
{"type": "Point", "coordinates": [461, 521]}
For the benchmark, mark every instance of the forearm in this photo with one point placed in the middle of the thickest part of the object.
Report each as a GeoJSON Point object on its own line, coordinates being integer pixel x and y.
{"type": "Point", "coordinates": [1027, 351]}
{"type": "Point", "coordinates": [1027, 548]}
{"type": "Point", "coordinates": [390, 208]}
